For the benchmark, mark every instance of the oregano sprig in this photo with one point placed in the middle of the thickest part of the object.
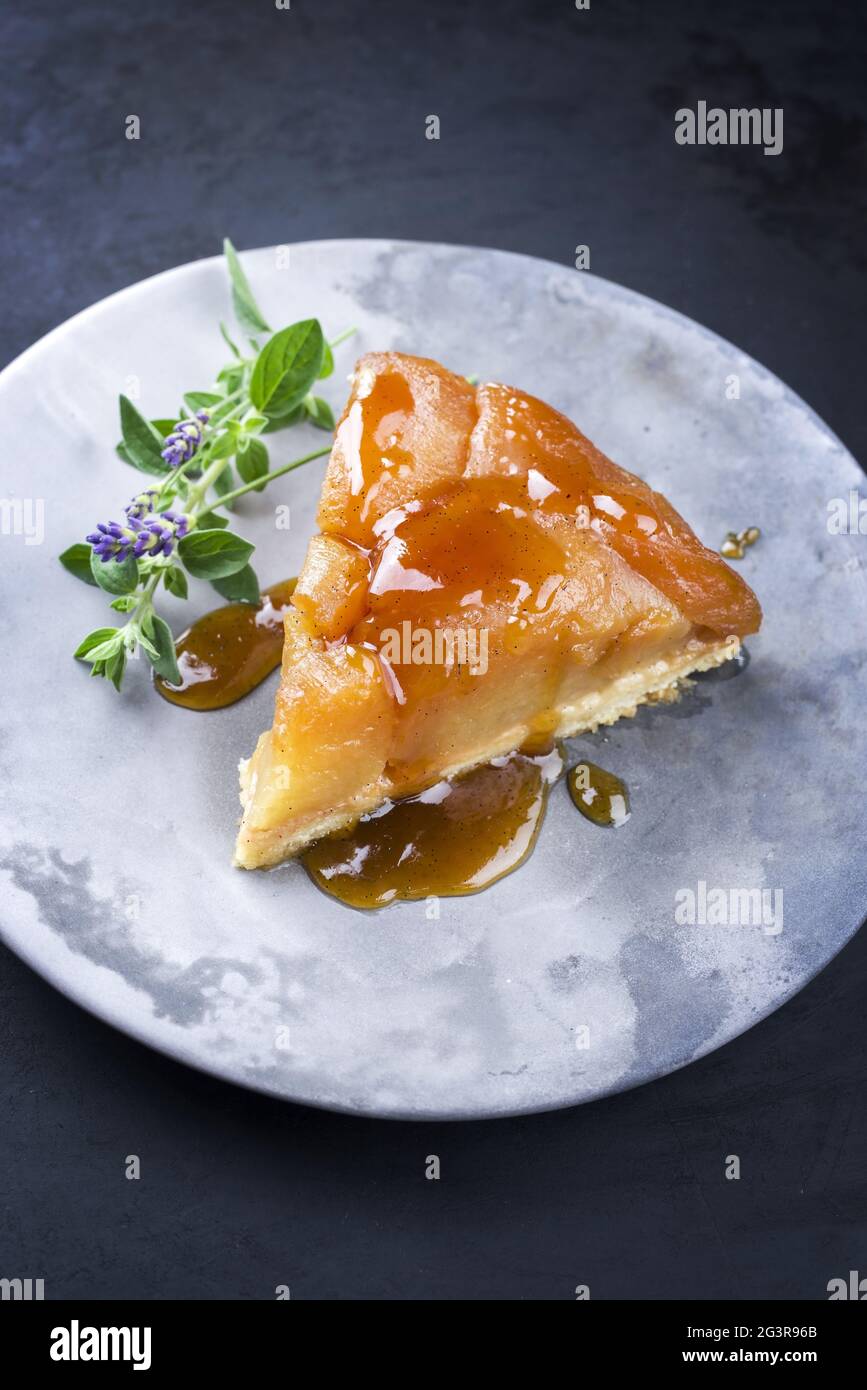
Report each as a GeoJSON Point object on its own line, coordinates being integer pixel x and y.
{"type": "Point", "coordinates": [175, 527]}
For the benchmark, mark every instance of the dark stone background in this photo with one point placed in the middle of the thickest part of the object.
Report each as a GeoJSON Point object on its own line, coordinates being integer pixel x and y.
{"type": "Point", "coordinates": [557, 129]}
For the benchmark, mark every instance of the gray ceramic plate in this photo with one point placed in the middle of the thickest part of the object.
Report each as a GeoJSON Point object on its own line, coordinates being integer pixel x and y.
{"type": "Point", "coordinates": [572, 977]}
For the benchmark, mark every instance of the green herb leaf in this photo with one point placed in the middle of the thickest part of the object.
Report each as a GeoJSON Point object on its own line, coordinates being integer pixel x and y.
{"type": "Point", "coordinates": [141, 443]}
{"type": "Point", "coordinates": [228, 341]}
{"type": "Point", "coordinates": [230, 378]}
{"type": "Point", "coordinates": [201, 400]}
{"type": "Point", "coordinates": [124, 604]}
{"type": "Point", "coordinates": [254, 464]}
{"type": "Point", "coordinates": [164, 427]}
{"type": "Point", "coordinates": [327, 363]}
{"type": "Point", "coordinates": [225, 482]}
{"type": "Point", "coordinates": [100, 637]}
{"type": "Point", "coordinates": [223, 446]}
{"type": "Point", "coordinates": [114, 668]}
{"type": "Point", "coordinates": [77, 560]}
{"type": "Point", "coordinates": [176, 581]}
{"type": "Point", "coordinates": [208, 520]}
{"type": "Point", "coordinates": [282, 422]}
{"type": "Point", "coordinates": [162, 654]}
{"type": "Point", "coordinates": [214, 554]}
{"type": "Point", "coordinates": [246, 309]}
{"type": "Point", "coordinates": [114, 578]}
{"type": "Point", "coordinates": [242, 587]}
{"type": "Point", "coordinates": [320, 412]}
{"type": "Point", "coordinates": [287, 367]}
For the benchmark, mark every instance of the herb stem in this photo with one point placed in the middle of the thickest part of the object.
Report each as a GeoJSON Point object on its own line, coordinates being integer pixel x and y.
{"type": "Point", "coordinates": [146, 601]}
{"type": "Point", "coordinates": [218, 413]}
{"type": "Point", "coordinates": [268, 477]}
{"type": "Point", "coordinates": [341, 337]}
{"type": "Point", "coordinates": [197, 493]}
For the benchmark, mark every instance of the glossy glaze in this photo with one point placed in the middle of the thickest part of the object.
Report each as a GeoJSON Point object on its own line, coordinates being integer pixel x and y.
{"type": "Point", "coordinates": [229, 651]}
{"type": "Point", "coordinates": [600, 796]}
{"type": "Point", "coordinates": [456, 838]}
{"type": "Point", "coordinates": [481, 482]}
{"type": "Point", "coordinates": [737, 543]}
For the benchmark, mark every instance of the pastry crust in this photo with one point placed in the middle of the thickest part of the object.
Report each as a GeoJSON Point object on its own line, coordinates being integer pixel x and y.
{"type": "Point", "coordinates": [663, 679]}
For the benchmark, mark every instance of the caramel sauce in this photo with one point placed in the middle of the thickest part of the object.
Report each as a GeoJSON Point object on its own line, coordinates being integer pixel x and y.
{"type": "Point", "coordinates": [564, 473]}
{"type": "Point", "coordinates": [473, 564]}
{"type": "Point", "coordinates": [737, 542]}
{"type": "Point", "coordinates": [600, 796]}
{"type": "Point", "coordinates": [371, 436]}
{"type": "Point", "coordinates": [454, 839]}
{"type": "Point", "coordinates": [229, 651]}
{"type": "Point", "coordinates": [525, 467]}
{"type": "Point", "coordinates": [476, 547]}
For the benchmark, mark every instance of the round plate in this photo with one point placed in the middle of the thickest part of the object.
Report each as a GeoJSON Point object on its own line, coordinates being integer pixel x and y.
{"type": "Point", "coordinates": [573, 977]}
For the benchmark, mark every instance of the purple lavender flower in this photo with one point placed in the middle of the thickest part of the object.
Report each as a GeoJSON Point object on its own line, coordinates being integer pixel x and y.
{"type": "Point", "coordinates": [147, 534]}
{"type": "Point", "coordinates": [141, 504]}
{"type": "Point", "coordinates": [158, 537]}
{"type": "Point", "coordinates": [184, 440]}
{"type": "Point", "coordinates": [110, 542]}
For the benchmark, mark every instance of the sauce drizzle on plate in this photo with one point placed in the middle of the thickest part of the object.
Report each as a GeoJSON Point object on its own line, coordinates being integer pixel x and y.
{"type": "Point", "coordinates": [229, 651]}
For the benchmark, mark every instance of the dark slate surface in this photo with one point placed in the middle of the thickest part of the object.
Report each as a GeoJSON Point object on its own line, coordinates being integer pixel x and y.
{"type": "Point", "coordinates": [557, 129]}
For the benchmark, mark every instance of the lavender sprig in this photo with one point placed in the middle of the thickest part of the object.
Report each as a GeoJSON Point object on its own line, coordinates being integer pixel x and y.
{"type": "Point", "coordinates": [142, 503]}
{"type": "Point", "coordinates": [193, 460]}
{"type": "Point", "coordinates": [184, 440]}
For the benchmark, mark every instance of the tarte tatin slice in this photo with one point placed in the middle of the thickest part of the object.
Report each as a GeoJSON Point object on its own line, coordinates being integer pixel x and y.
{"type": "Point", "coordinates": [483, 578]}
